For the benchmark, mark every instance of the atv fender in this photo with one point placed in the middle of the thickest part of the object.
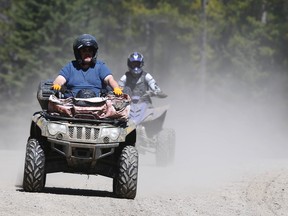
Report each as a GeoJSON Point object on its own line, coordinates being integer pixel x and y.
{"type": "Point", "coordinates": [156, 113]}
{"type": "Point", "coordinates": [36, 125]}
{"type": "Point", "coordinates": [131, 134]}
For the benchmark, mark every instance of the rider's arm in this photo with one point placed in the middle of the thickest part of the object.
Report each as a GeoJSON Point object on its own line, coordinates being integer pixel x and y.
{"type": "Point", "coordinates": [113, 84]}
{"type": "Point", "coordinates": [152, 83]}
{"type": "Point", "coordinates": [60, 80]}
{"type": "Point", "coordinates": [122, 81]}
{"type": "Point", "coordinates": [111, 81]}
{"type": "Point", "coordinates": [63, 76]}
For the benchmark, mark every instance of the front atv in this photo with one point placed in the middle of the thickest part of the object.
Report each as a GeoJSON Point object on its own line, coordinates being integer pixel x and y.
{"type": "Point", "coordinates": [81, 145]}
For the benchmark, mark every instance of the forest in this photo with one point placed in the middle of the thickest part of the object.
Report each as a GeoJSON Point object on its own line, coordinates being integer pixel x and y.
{"type": "Point", "coordinates": [196, 43]}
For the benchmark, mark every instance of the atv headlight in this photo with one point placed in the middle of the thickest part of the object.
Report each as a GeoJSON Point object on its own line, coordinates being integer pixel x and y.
{"type": "Point", "coordinates": [54, 128]}
{"type": "Point", "coordinates": [113, 133]}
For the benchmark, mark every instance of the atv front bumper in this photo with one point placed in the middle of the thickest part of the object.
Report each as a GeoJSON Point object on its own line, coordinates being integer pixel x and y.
{"type": "Point", "coordinates": [82, 151]}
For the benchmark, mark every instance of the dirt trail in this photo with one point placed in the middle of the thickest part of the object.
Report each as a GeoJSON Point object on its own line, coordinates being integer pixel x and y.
{"type": "Point", "coordinates": [251, 188]}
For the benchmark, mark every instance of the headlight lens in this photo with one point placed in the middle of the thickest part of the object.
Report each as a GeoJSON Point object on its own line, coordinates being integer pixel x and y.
{"type": "Point", "coordinates": [54, 128]}
{"type": "Point", "coordinates": [113, 133]}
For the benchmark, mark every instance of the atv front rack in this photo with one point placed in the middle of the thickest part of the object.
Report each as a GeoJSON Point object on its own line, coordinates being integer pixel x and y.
{"type": "Point", "coordinates": [116, 122]}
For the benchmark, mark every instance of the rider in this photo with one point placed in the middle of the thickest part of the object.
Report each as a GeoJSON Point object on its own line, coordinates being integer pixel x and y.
{"type": "Point", "coordinates": [136, 81]}
{"type": "Point", "coordinates": [85, 72]}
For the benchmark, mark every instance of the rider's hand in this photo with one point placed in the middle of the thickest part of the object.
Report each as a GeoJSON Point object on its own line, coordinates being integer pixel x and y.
{"type": "Point", "coordinates": [117, 91]}
{"type": "Point", "coordinates": [56, 87]}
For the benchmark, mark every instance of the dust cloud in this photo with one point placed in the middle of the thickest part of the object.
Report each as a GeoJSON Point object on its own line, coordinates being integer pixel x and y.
{"type": "Point", "coordinates": [220, 132]}
{"type": "Point", "coordinates": [15, 129]}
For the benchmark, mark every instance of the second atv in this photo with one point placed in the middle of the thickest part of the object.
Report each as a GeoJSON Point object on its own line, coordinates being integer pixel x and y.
{"type": "Point", "coordinates": [152, 136]}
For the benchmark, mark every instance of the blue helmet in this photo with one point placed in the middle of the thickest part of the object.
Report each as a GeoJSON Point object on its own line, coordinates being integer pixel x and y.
{"type": "Point", "coordinates": [135, 63]}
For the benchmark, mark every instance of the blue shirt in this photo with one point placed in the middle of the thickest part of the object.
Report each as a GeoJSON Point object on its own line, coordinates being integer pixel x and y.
{"type": "Point", "coordinates": [77, 78]}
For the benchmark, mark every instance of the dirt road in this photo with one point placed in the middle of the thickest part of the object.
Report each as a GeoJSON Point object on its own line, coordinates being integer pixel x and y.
{"type": "Point", "coordinates": [243, 188]}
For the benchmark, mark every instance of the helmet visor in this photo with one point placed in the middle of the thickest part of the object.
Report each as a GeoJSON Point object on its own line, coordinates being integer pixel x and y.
{"type": "Point", "coordinates": [135, 64]}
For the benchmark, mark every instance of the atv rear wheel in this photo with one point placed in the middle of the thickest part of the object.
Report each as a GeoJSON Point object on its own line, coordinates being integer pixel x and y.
{"type": "Point", "coordinates": [125, 182]}
{"type": "Point", "coordinates": [165, 150]}
{"type": "Point", "coordinates": [34, 170]}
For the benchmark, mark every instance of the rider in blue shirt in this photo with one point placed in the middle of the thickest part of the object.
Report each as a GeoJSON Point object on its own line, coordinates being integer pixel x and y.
{"type": "Point", "coordinates": [85, 72]}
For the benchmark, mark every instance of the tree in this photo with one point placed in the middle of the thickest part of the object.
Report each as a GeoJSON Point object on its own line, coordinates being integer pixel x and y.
{"type": "Point", "coordinates": [245, 39]}
{"type": "Point", "coordinates": [35, 43]}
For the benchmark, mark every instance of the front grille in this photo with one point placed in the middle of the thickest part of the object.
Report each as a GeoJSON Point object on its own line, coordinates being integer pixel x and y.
{"type": "Point", "coordinates": [83, 133]}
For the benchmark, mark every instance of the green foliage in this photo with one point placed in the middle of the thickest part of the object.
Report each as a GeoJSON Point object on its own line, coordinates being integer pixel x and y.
{"type": "Point", "coordinates": [246, 39]}
{"type": "Point", "coordinates": [36, 42]}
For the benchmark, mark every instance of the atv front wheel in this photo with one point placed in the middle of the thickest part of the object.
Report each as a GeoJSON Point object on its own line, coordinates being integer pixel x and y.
{"type": "Point", "coordinates": [125, 182]}
{"type": "Point", "coordinates": [165, 150]}
{"type": "Point", "coordinates": [34, 170]}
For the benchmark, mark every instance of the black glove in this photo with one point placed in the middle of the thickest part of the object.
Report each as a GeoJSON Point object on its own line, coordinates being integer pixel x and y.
{"type": "Point", "coordinates": [161, 95]}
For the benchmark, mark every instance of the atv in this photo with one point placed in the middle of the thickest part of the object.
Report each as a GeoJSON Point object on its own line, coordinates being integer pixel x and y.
{"type": "Point", "coordinates": [80, 143]}
{"type": "Point", "coordinates": [152, 137]}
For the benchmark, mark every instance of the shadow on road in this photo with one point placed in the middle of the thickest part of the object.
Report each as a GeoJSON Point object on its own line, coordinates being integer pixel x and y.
{"type": "Point", "coordinates": [75, 192]}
